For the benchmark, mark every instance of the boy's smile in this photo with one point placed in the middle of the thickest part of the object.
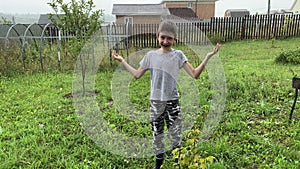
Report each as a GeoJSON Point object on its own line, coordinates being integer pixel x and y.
{"type": "Point", "coordinates": [166, 39]}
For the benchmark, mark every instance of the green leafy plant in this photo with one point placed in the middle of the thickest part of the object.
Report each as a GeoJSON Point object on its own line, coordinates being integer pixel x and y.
{"type": "Point", "coordinates": [189, 156]}
{"type": "Point", "coordinates": [287, 24]}
{"type": "Point", "coordinates": [4, 20]}
{"type": "Point", "coordinates": [215, 38]}
{"type": "Point", "coordinates": [289, 56]}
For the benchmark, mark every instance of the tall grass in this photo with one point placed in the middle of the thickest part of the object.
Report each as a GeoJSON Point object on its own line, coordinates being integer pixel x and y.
{"type": "Point", "coordinates": [40, 129]}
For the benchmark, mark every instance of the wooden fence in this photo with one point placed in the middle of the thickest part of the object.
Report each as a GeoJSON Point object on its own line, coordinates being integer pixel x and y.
{"type": "Point", "coordinates": [217, 29]}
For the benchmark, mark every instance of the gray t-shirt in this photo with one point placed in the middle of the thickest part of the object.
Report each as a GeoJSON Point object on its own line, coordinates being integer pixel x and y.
{"type": "Point", "coordinates": [164, 70]}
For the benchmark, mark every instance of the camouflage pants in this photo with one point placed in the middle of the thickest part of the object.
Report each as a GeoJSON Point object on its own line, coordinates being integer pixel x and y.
{"type": "Point", "coordinates": [169, 112]}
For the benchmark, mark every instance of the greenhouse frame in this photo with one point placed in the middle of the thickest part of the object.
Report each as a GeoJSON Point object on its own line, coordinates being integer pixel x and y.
{"type": "Point", "coordinates": [41, 35]}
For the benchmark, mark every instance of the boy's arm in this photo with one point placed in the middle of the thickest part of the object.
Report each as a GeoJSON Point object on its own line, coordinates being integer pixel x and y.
{"type": "Point", "coordinates": [136, 73]}
{"type": "Point", "coordinates": [195, 72]}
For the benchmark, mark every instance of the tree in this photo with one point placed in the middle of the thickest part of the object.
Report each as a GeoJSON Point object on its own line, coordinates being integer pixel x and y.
{"type": "Point", "coordinates": [77, 18]}
{"type": "Point", "coordinates": [4, 20]}
{"type": "Point", "coordinates": [80, 21]}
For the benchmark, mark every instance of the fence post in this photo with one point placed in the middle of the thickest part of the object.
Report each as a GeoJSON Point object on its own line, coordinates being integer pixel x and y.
{"type": "Point", "coordinates": [243, 31]}
{"type": "Point", "coordinates": [58, 47]}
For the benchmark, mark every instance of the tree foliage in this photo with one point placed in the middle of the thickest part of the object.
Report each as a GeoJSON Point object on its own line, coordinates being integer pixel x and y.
{"type": "Point", "coordinates": [80, 21]}
{"type": "Point", "coordinates": [78, 17]}
{"type": "Point", "coordinates": [289, 56]}
{"type": "Point", "coordinates": [4, 20]}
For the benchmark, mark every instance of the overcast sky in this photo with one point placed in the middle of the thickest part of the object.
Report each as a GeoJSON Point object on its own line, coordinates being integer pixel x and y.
{"type": "Point", "coordinates": [41, 6]}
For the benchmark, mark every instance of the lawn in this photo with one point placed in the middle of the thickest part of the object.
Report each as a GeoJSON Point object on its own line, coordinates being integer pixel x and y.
{"type": "Point", "coordinates": [40, 128]}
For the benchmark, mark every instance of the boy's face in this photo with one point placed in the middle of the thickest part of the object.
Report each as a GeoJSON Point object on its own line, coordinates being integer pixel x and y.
{"type": "Point", "coordinates": [166, 39]}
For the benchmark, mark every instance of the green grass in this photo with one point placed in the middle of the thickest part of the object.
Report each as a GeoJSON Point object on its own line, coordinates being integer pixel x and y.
{"type": "Point", "coordinates": [40, 129]}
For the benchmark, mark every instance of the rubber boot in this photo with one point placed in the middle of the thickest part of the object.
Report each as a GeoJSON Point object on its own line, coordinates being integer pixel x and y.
{"type": "Point", "coordinates": [159, 161]}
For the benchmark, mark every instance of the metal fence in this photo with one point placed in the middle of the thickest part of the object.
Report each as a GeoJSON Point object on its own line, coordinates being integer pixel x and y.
{"type": "Point", "coordinates": [38, 35]}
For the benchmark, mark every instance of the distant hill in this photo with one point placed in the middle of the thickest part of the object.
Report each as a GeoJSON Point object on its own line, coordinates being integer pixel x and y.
{"type": "Point", "coordinates": [109, 18]}
{"type": "Point", "coordinates": [33, 18]}
{"type": "Point", "coordinates": [20, 18]}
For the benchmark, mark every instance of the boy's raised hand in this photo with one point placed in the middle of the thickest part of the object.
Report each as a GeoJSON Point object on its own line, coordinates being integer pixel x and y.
{"type": "Point", "coordinates": [216, 49]}
{"type": "Point", "coordinates": [117, 56]}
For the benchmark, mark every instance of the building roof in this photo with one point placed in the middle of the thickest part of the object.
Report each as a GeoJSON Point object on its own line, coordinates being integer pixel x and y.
{"type": "Point", "coordinates": [296, 6]}
{"type": "Point", "coordinates": [139, 9]}
{"type": "Point", "coordinates": [183, 12]}
{"type": "Point", "coordinates": [45, 18]}
{"type": "Point", "coordinates": [176, 19]}
{"type": "Point", "coordinates": [237, 12]}
{"type": "Point", "coordinates": [182, 15]}
{"type": "Point", "coordinates": [189, 1]}
{"type": "Point", "coordinates": [282, 11]}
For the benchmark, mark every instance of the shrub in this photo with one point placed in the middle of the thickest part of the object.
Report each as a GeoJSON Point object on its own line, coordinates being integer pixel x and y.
{"type": "Point", "coordinates": [216, 38]}
{"type": "Point", "coordinates": [290, 56]}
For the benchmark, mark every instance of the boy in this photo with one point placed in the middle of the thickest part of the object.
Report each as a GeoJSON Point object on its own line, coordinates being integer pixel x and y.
{"type": "Point", "coordinates": [164, 65]}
